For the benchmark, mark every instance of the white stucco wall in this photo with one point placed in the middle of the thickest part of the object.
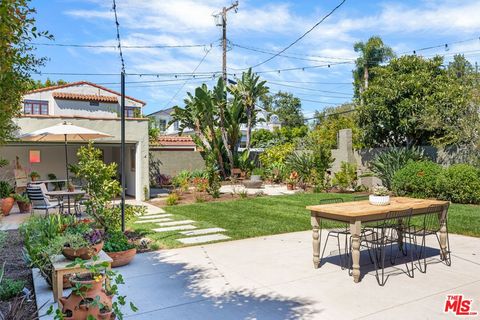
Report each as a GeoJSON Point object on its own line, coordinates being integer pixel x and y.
{"type": "Point", "coordinates": [53, 158]}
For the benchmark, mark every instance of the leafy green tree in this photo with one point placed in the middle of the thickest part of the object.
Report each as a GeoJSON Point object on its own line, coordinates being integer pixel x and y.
{"type": "Point", "coordinates": [333, 119]}
{"type": "Point", "coordinates": [287, 107]}
{"type": "Point", "coordinates": [48, 83]}
{"type": "Point", "coordinates": [248, 90]}
{"type": "Point", "coordinates": [235, 116]}
{"type": "Point", "coordinates": [413, 101]}
{"type": "Point", "coordinates": [264, 138]}
{"type": "Point", "coordinates": [17, 60]}
{"type": "Point", "coordinates": [461, 68]}
{"type": "Point", "coordinates": [372, 54]}
{"type": "Point", "coordinates": [153, 129]}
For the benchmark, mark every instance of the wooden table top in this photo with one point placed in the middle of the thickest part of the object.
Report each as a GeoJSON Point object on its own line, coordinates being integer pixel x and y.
{"type": "Point", "coordinates": [60, 262]}
{"type": "Point", "coordinates": [363, 210]}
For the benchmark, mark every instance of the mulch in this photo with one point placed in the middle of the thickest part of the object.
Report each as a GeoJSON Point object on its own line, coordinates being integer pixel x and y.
{"type": "Point", "coordinates": [16, 268]}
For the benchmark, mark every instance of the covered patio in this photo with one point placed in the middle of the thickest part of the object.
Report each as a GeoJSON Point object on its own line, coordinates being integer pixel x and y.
{"type": "Point", "coordinates": [272, 278]}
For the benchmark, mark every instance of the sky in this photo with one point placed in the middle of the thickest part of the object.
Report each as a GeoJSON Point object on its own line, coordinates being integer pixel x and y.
{"type": "Point", "coordinates": [322, 61]}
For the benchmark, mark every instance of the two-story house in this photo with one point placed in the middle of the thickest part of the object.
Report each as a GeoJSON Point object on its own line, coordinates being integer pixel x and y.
{"type": "Point", "coordinates": [87, 105]}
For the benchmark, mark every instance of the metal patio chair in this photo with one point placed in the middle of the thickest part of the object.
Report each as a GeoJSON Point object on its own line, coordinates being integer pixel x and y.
{"type": "Point", "coordinates": [430, 224]}
{"type": "Point", "coordinates": [385, 233]}
{"type": "Point", "coordinates": [39, 200]}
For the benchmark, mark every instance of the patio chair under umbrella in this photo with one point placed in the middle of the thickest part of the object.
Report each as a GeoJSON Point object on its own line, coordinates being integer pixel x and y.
{"type": "Point", "coordinates": [64, 132]}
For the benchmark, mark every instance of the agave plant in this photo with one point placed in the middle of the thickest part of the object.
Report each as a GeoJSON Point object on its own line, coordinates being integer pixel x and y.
{"type": "Point", "coordinates": [387, 163]}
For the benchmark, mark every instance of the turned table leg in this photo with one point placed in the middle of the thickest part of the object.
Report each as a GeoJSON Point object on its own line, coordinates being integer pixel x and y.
{"type": "Point", "coordinates": [443, 236]}
{"type": "Point", "coordinates": [316, 241]}
{"type": "Point", "coordinates": [355, 230]}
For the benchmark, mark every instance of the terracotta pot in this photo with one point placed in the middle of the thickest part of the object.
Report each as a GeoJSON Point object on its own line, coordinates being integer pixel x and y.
{"type": "Point", "coordinates": [7, 204]}
{"type": "Point", "coordinates": [84, 253]}
{"type": "Point", "coordinates": [122, 258]}
{"type": "Point", "coordinates": [24, 207]}
{"type": "Point", "coordinates": [290, 186]}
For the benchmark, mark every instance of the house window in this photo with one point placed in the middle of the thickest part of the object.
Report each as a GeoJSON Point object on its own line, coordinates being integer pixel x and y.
{"type": "Point", "coordinates": [34, 156]}
{"type": "Point", "coordinates": [176, 125]}
{"type": "Point", "coordinates": [130, 112]}
{"type": "Point", "coordinates": [162, 124]}
{"type": "Point", "coordinates": [94, 103]}
{"type": "Point", "coordinates": [35, 107]}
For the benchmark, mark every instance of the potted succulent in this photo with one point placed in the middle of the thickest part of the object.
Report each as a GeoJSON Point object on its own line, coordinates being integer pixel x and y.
{"type": "Point", "coordinates": [23, 202]}
{"type": "Point", "coordinates": [34, 175]}
{"type": "Point", "coordinates": [7, 201]}
{"type": "Point", "coordinates": [91, 297]}
{"type": "Point", "coordinates": [380, 196]}
{"type": "Point", "coordinates": [292, 180]}
{"type": "Point", "coordinates": [82, 240]}
{"type": "Point", "coordinates": [119, 249]}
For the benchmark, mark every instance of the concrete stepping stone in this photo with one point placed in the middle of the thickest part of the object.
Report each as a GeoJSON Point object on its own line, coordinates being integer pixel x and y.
{"type": "Point", "coordinates": [175, 223]}
{"type": "Point", "coordinates": [202, 239]}
{"type": "Point", "coordinates": [202, 231]}
{"type": "Point", "coordinates": [154, 216]}
{"type": "Point", "coordinates": [154, 220]}
{"type": "Point", "coordinates": [175, 228]}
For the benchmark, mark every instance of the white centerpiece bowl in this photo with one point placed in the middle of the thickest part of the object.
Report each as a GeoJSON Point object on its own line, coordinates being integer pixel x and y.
{"type": "Point", "coordinates": [379, 200]}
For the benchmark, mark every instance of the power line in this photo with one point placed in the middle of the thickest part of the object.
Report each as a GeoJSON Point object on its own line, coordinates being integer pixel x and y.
{"type": "Point", "coordinates": [301, 37]}
{"type": "Point", "coordinates": [311, 89]}
{"type": "Point", "coordinates": [155, 46]}
{"type": "Point", "coordinates": [194, 70]}
{"type": "Point", "coordinates": [118, 36]}
{"type": "Point", "coordinates": [443, 45]}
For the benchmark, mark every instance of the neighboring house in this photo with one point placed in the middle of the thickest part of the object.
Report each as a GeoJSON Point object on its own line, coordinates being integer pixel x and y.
{"type": "Point", "coordinates": [87, 105]}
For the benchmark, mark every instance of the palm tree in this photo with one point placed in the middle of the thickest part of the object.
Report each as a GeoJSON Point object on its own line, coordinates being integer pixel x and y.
{"type": "Point", "coordinates": [235, 116]}
{"type": "Point", "coordinates": [372, 53]}
{"type": "Point", "coordinates": [248, 90]}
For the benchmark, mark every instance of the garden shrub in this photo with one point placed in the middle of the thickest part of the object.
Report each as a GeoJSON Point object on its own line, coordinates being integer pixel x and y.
{"type": "Point", "coordinates": [346, 178]}
{"type": "Point", "coordinates": [417, 179]}
{"type": "Point", "coordinates": [459, 183]}
{"type": "Point", "coordinates": [387, 163]}
{"type": "Point", "coordinates": [10, 288]}
{"type": "Point", "coordinates": [172, 199]}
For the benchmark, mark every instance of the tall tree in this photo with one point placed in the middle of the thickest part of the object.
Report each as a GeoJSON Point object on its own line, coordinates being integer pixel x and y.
{"type": "Point", "coordinates": [48, 83]}
{"type": "Point", "coordinates": [372, 54]}
{"type": "Point", "coordinates": [220, 100]}
{"type": "Point", "coordinates": [17, 60]}
{"type": "Point", "coordinates": [248, 90]}
{"type": "Point", "coordinates": [413, 101]}
{"type": "Point", "coordinates": [286, 106]}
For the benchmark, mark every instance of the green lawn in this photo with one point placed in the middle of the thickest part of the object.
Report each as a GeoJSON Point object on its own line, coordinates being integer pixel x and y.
{"type": "Point", "coordinates": [260, 216]}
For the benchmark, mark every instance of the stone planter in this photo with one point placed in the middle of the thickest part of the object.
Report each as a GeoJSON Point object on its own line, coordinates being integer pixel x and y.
{"type": "Point", "coordinates": [255, 177]}
{"type": "Point", "coordinates": [122, 258]}
{"type": "Point", "coordinates": [7, 205]}
{"type": "Point", "coordinates": [254, 184]}
{"type": "Point", "coordinates": [85, 253]}
{"type": "Point", "coordinates": [379, 200]}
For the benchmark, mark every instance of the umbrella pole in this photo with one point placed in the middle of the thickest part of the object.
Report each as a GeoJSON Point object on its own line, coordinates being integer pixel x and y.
{"type": "Point", "coordinates": [66, 167]}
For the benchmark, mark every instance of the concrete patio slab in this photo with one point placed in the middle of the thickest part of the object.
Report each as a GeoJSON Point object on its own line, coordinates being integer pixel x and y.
{"type": "Point", "coordinates": [175, 228]}
{"type": "Point", "coordinates": [202, 231]}
{"type": "Point", "coordinates": [153, 220]}
{"type": "Point", "coordinates": [273, 278]}
{"type": "Point", "coordinates": [175, 223]}
{"type": "Point", "coordinates": [204, 239]}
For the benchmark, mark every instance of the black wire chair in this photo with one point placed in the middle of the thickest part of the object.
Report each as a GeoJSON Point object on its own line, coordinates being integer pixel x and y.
{"type": "Point", "coordinates": [360, 198]}
{"type": "Point", "coordinates": [337, 233]}
{"type": "Point", "coordinates": [430, 225]}
{"type": "Point", "coordinates": [386, 233]}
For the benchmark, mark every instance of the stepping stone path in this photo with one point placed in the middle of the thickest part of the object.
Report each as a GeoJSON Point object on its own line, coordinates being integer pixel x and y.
{"type": "Point", "coordinates": [191, 234]}
{"type": "Point", "coordinates": [153, 216]}
{"type": "Point", "coordinates": [175, 228]}
{"type": "Point", "coordinates": [153, 220]}
{"type": "Point", "coordinates": [203, 239]}
{"type": "Point", "coordinates": [175, 223]}
{"type": "Point", "coordinates": [202, 231]}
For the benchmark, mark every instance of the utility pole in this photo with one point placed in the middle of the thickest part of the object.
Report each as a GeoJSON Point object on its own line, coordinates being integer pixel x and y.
{"type": "Point", "coordinates": [122, 147]}
{"type": "Point", "coordinates": [223, 16]}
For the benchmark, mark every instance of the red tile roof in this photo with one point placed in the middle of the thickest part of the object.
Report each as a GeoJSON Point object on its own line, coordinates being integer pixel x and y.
{"type": "Point", "coordinates": [176, 141]}
{"type": "Point", "coordinates": [79, 83]}
{"type": "Point", "coordinates": [84, 97]}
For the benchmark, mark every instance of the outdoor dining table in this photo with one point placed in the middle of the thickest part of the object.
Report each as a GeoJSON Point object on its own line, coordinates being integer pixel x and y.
{"type": "Point", "coordinates": [61, 194]}
{"type": "Point", "coordinates": [356, 212]}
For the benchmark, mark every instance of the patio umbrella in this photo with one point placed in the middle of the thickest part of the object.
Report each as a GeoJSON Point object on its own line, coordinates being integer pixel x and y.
{"type": "Point", "coordinates": [64, 132]}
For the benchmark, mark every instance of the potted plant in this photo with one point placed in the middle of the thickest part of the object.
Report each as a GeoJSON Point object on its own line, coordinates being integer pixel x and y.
{"type": "Point", "coordinates": [380, 196]}
{"type": "Point", "coordinates": [119, 249]}
{"type": "Point", "coordinates": [23, 202]}
{"type": "Point", "coordinates": [91, 297]}
{"type": "Point", "coordinates": [70, 187]}
{"type": "Point", "coordinates": [81, 240]}
{"type": "Point", "coordinates": [256, 174]}
{"type": "Point", "coordinates": [292, 180]}
{"type": "Point", "coordinates": [34, 175]}
{"type": "Point", "coordinates": [7, 200]}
